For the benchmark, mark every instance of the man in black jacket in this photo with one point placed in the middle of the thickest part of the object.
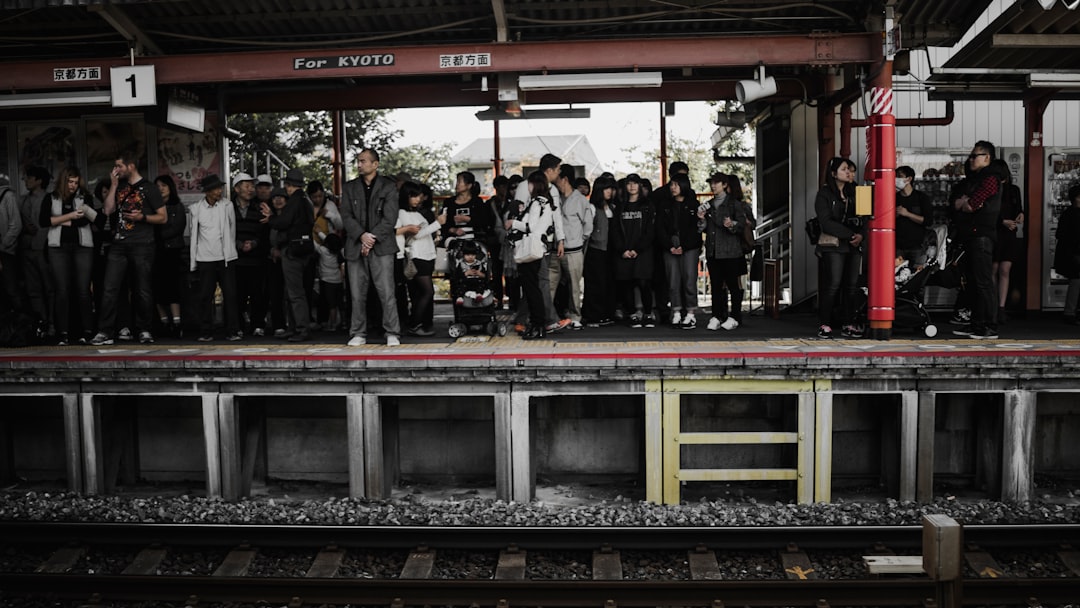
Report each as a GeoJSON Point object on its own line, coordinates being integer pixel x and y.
{"type": "Point", "coordinates": [295, 223]}
{"type": "Point", "coordinates": [978, 209]}
{"type": "Point", "coordinates": [253, 250]}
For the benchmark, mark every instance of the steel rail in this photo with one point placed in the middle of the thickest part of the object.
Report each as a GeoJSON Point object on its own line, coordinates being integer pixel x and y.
{"type": "Point", "coordinates": [876, 592]}
{"type": "Point", "coordinates": [536, 538]}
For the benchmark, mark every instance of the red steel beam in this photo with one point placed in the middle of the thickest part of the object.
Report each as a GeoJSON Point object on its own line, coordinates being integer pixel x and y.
{"type": "Point", "coordinates": [269, 66]}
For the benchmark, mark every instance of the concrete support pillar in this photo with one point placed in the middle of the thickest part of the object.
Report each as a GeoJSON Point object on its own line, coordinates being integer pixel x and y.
{"type": "Point", "coordinates": [212, 440]}
{"type": "Point", "coordinates": [229, 442]}
{"type": "Point", "coordinates": [354, 419]}
{"type": "Point", "coordinates": [504, 446]}
{"type": "Point", "coordinates": [1018, 464]}
{"type": "Point", "coordinates": [92, 461]}
{"type": "Point", "coordinates": [523, 484]}
{"type": "Point", "coordinates": [924, 468]}
{"type": "Point", "coordinates": [823, 428]}
{"type": "Point", "coordinates": [654, 442]}
{"type": "Point", "coordinates": [376, 481]}
{"type": "Point", "coordinates": [909, 444]}
{"type": "Point", "coordinates": [73, 442]}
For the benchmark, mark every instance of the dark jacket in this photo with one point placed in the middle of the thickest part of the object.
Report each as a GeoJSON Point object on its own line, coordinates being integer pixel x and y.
{"type": "Point", "coordinates": [633, 229]}
{"type": "Point", "coordinates": [377, 216]}
{"type": "Point", "coordinates": [171, 233]}
{"type": "Point", "coordinates": [249, 227]}
{"type": "Point", "coordinates": [984, 192]}
{"type": "Point", "coordinates": [481, 223]}
{"type": "Point", "coordinates": [677, 224]}
{"type": "Point", "coordinates": [1067, 251]}
{"type": "Point", "coordinates": [838, 219]}
{"type": "Point", "coordinates": [296, 220]}
{"type": "Point", "coordinates": [721, 242]}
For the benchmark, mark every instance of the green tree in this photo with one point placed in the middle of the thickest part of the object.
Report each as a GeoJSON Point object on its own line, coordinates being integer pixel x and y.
{"type": "Point", "coordinates": [304, 139]}
{"type": "Point", "coordinates": [426, 164]}
{"type": "Point", "coordinates": [696, 154]}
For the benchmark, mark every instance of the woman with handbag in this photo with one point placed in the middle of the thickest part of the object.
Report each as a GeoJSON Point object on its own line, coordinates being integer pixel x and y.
{"type": "Point", "coordinates": [528, 226]}
{"type": "Point", "coordinates": [416, 228]}
{"type": "Point", "coordinates": [839, 250]}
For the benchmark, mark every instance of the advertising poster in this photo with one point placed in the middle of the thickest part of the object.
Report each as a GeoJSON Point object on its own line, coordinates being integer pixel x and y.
{"type": "Point", "coordinates": [49, 146]}
{"type": "Point", "coordinates": [189, 156]}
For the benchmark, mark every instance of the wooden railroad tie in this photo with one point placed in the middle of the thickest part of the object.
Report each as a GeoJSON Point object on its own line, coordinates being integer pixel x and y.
{"type": "Point", "coordinates": [797, 565]}
{"type": "Point", "coordinates": [420, 564]}
{"type": "Point", "coordinates": [147, 561]}
{"type": "Point", "coordinates": [606, 564]}
{"type": "Point", "coordinates": [62, 560]}
{"type": "Point", "coordinates": [984, 564]}
{"type": "Point", "coordinates": [703, 565]}
{"type": "Point", "coordinates": [237, 562]}
{"type": "Point", "coordinates": [326, 563]}
{"type": "Point", "coordinates": [511, 565]}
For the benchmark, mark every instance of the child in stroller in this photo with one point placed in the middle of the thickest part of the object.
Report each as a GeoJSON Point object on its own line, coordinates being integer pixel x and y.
{"type": "Point", "coordinates": [910, 282]}
{"type": "Point", "coordinates": [470, 289]}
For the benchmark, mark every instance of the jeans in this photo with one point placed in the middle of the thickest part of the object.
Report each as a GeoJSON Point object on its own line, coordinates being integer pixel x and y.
{"type": "Point", "coordinates": [979, 253]}
{"type": "Point", "coordinates": [72, 267]}
{"type": "Point", "coordinates": [252, 293]}
{"type": "Point", "coordinates": [211, 274]}
{"type": "Point", "coordinates": [681, 273]}
{"type": "Point", "coordinates": [39, 281]}
{"type": "Point", "coordinates": [140, 256]}
{"type": "Point", "coordinates": [292, 269]}
{"type": "Point", "coordinates": [839, 280]}
{"type": "Point", "coordinates": [377, 270]}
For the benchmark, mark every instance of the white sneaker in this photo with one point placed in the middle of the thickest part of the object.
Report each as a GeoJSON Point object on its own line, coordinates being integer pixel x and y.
{"type": "Point", "coordinates": [259, 332]}
{"type": "Point", "coordinates": [392, 340]}
{"type": "Point", "coordinates": [689, 321]}
{"type": "Point", "coordinates": [357, 341]}
{"type": "Point", "coordinates": [714, 324]}
{"type": "Point", "coordinates": [729, 324]}
{"type": "Point", "coordinates": [676, 318]}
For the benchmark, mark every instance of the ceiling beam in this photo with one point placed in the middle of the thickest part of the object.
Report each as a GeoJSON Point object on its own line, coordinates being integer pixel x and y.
{"type": "Point", "coordinates": [1036, 41]}
{"type": "Point", "coordinates": [501, 31]}
{"type": "Point", "coordinates": [521, 57]}
{"type": "Point", "coordinates": [120, 22]}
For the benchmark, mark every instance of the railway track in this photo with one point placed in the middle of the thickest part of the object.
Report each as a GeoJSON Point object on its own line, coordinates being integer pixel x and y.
{"type": "Point", "coordinates": [794, 582]}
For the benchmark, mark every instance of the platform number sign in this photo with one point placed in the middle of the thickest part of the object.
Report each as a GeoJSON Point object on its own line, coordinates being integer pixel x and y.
{"type": "Point", "coordinates": [133, 86]}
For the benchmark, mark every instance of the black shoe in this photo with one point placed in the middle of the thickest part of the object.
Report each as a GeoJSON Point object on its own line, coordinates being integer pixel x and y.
{"type": "Point", "coordinates": [967, 330]}
{"type": "Point", "coordinates": [300, 336]}
{"type": "Point", "coordinates": [533, 333]}
{"type": "Point", "coordinates": [63, 340]}
{"type": "Point", "coordinates": [1002, 318]}
{"type": "Point", "coordinates": [986, 333]}
{"type": "Point", "coordinates": [650, 321]}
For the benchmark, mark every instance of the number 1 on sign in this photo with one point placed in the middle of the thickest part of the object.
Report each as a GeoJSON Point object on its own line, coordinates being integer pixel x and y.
{"type": "Point", "coordinates": [131, 79]}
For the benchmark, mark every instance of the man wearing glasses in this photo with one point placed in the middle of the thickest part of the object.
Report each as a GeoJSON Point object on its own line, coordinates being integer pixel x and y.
{"type": "Point", "coordinates": [977, 212]}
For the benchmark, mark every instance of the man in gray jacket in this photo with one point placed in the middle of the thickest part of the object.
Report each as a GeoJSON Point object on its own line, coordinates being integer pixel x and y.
{"type": "Point", "coordinates": [369, 209]}
{"type": "Point", "coordinates": [577, 214]}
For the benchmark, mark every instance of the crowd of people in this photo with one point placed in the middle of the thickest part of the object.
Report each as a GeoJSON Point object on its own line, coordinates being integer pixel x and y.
{"type": "Point", "coordinates": [129, 260]}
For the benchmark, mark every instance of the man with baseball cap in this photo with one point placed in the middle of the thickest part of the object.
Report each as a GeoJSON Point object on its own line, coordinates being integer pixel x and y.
{"type": "Point", "coordinates": [264, 184]}
{"type": "Point", "coordinates": [253, 251]}
{"type": "Point", "coordinates": [213, 249]}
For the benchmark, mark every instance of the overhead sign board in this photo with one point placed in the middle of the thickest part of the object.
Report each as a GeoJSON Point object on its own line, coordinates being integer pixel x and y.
{"type": "Point", "coordinates": [133, 86]}
{"type": "Point", "coordinates": [343, 61]}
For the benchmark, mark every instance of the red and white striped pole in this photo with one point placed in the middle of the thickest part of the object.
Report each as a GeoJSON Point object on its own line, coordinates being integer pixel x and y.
{"type": "Point", "coordinates": [881, 138]}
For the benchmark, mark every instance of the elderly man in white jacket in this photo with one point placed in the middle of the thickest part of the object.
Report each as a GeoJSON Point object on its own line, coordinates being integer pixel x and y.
{"type": "Point", "coordinates": [213, 247]}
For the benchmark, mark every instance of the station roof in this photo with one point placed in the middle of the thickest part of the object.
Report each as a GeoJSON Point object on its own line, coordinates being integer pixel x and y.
{"type": "Point", "coordinates": [703, 46]}
{"type": "Point", "coordinates": [1022, 40]}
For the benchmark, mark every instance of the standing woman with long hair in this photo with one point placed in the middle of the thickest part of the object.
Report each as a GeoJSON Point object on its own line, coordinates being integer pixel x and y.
{"type": "Point", "coordinates": [599, 303]}
{"type": "Point", "coordinates": [533, 220]}
{"type": "Point", "coordinates": [170, 263]}
{"type": "Point", "coordinates": [1009, 248]}
{"type": "Point", "coordinates": [632, 248]}
{"type": "Point", "coordinates": [416, 228]}
{"type": "Point", "coordinates": [680, 240]}
{"type": "Point", "coordinates": [469, 217]}
{"type": "Point", "coordinates": [839, 265]}
{"type": "Point", "coordinates": [67, 217]}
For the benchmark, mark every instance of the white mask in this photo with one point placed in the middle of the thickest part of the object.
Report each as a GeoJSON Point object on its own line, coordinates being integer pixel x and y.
{"type": "Point", "coordinates": [901, 183]}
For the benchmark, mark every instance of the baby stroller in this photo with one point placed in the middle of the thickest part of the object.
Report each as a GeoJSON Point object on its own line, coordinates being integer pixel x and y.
{"type": "Point", "coordinates": [910, 282]}
{"type": "Point", "coordinates": [470, 290]}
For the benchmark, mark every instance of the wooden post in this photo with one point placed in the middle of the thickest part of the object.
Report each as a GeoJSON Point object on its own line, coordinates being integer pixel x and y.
{"type": "Point", "coordinates": [924, 468]}
{"type": "Point", "coordinates": [354, 416]}
{"type": "Point", "coordinates": [654, 441]}
{"type": "Point", "coordinates": [212, 440]}
{"type": "Point", "coordinates": [73, 442]}
{"type": "Point", "coordinates": [229, 442]}
{"type": "Point", "coordinates": [807, 448]}
{"type": "Point", "coordinates": [375, 480]}
{"type": "Point", "coordinates": [1018, 467]}
{"type": "Point", "coordinates": [823, 449]}
{"type": "Point", "coordinates": [909, 444]}
{"type": "Point", "coordinates": [524, 484]}
{"type": "Point", "coordinates": [504, 446]}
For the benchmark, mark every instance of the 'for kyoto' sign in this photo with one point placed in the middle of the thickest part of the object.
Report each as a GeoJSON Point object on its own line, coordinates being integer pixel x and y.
{"type": "Point", "coordinates": [343, 61]}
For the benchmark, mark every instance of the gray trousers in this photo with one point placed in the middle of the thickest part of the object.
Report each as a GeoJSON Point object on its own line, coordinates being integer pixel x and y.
{"type": "Point", "coordinates": [377, 270]}
{"type": "Point", "coordinates": [292, 269]}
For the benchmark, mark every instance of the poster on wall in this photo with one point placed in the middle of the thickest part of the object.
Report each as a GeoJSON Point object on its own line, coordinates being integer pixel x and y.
{"type": "Point", "coordinates": [188, 157]}
{"type": "Point", "coordinates": [106, 139]}
{"type": "Point", "coordinates": [49, 146]}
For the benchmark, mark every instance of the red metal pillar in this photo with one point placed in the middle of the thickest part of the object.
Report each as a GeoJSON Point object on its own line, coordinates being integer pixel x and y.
{"type": "Point", "coordinates": [497, 160]}
{"type": "Point", "coordinates": [337, 151]}
{"type": "Point", "coordinates": [663, 148]}
{"type": "Point", "coordinates": [1035, 178]}
{"type": "Point", "coordinates": [882, 238]}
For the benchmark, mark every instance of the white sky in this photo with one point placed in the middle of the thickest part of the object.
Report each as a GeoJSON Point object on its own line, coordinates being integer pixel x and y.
{"type": "Point", "coordinates": [612, 127]}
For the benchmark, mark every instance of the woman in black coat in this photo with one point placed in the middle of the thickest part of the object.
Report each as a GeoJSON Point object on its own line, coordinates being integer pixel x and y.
{"type": "Point", "coordinates": [839, 266]}
{"type": "Point", "coordinates": [1067, 253]}
{"type": "Point", "coordinates": [632, 233]}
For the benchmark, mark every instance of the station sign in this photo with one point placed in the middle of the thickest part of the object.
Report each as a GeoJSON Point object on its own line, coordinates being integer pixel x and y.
{"type": "Point", "coordinates": [369, 60]}
{"type": "Point", "coordinates": [133, 86]}
{"type": "Point", "coordinates": [76, 74]}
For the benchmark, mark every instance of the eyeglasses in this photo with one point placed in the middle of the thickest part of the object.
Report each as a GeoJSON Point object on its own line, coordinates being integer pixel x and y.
{"type": "Point", "coordinates": [974, 156]}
